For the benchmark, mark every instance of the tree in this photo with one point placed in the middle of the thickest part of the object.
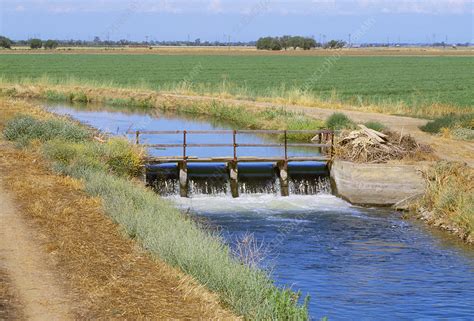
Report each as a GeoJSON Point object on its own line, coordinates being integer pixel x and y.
{"type": "Point", "coordinates": [285, 42]}
{"type": "Point", "coordinates": [5, 42]}
{"type": "Point", "coordinates": [50, 44]}
{"type": "Point", "coordinates": [309, 43]}
{"type": "Point", "coordinates": [264, 43]}
{"type": "Point", "coordinates": [36, 43]}
{"type": "Point", "coordinates": [296, 42]}
{"type": "Point", "coordinates": [334, 44]}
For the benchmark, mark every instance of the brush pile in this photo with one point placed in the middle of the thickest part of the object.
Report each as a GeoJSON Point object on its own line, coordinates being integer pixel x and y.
{"type": "Point", "coordinates": [370, 146]}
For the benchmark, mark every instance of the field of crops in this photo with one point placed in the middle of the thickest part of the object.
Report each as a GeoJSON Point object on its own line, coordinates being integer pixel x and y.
{"type": "Point", "coordinates": [414, 81]}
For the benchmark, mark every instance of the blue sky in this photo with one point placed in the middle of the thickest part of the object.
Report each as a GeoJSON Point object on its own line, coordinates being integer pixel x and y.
{"type": "Point", "coordinates": [239, 20]}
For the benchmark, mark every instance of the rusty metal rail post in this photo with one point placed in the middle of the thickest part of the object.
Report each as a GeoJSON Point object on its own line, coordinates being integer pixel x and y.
{"type": "Point", "coordinates": [234, 143]}
{"type": "Point", "coordinates": [234, 169]}
{"type": "Point", "coordinates": [137, 137]}
{"type": "Point", "coordinates": [183, 171]}
{"type": "Point", "coordinates": [331, 155]}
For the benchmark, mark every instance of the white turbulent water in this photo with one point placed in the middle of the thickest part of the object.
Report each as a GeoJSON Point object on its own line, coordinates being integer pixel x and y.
{"type": "Point", "coordinates": [313, 186]}
{"type": "Point", "coordinates": [263, 204]}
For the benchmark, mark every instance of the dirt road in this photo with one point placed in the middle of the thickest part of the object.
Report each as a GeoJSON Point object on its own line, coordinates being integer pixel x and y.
{"type": "Point", "coordinates": [63, 258]}
{"type": "Point", "coordinates": [41, 297]}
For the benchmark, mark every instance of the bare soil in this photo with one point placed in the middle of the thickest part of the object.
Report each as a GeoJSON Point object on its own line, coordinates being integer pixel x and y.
{"type": "Point", "coordinates": [42, 298]}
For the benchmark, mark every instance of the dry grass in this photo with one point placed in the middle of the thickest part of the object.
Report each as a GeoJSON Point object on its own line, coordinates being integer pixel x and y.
{"type": "Point", "coordinates": [356, 146]}
{"type": "Point", "coordinates": [111, 275]}
{"type": "Point", "coordinates": [90, 91]}
{"type": "Point", "coordinates": [449, 199]}
{"type": "Point", "coordinates": [232, 51]}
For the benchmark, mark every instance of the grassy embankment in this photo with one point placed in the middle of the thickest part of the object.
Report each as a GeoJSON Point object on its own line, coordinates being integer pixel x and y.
{"type": "Point", "coordinates": [449, 199]}
{"type": "Point", "coordinates": [416, 86]}
{"type": "Point", "coordinates": [106, 169]}
{"type": "Point", "coordinates": [240, 116]}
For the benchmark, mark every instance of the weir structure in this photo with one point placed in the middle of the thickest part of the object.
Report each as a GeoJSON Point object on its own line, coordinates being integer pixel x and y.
{"type": "Point", "coordinates": [322, 140]}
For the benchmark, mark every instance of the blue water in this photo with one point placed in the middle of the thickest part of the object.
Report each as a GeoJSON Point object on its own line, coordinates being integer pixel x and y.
{"type": "Point", "coordinates": [115, 122]}
{"type": "Point", "coordinates": [355, 263]}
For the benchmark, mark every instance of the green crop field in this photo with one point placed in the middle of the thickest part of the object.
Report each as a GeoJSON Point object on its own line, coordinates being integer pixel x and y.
{"type": "Point", "coordinates": [414, 81]}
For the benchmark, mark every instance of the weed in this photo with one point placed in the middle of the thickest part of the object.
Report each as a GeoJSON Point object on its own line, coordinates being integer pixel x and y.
{"type": "Point", "coordinates": [375, 125]}
{"type": "Point", "coordinates": [450, 121]}
{"type": "Point", "coordinates": [338, 121]}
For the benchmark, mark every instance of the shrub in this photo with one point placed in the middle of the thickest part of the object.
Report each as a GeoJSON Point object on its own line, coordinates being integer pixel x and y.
{"type": "Point", "coordinates": [26, 128]}
{"type": "Point", "coordinates": [451, 121]}
{"type": "Point", "coordinates": [375, 125]}
{"type": "Point", "coordinates": [338, 121]}
{"type": "Point", "coordinates": [36, 43]}
{"type": "Point", "coordinates": [116, 156]}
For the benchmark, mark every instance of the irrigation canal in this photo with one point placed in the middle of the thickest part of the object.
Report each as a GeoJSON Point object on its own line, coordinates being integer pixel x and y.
{"type": "Point", "coordinates": [356, 263]}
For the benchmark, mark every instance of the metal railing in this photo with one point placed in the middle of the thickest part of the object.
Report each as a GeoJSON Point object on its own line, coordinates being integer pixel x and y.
{"type": "Point", "coordinates": [324, 139]}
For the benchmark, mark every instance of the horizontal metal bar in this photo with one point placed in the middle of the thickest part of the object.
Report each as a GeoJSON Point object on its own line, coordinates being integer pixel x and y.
{"type": "Point", "coordinates": [283, 145]}
{"type": "Point", "coordinates": [220, 132]}
{"type": "Point", "coordinates": [174, 159]}
{"type": "Point", "coordinates": [231, 145]}
{"type": "Point", "coordinates": [264, 131]}
{"type": "Point", "coordinates": [187, 145]}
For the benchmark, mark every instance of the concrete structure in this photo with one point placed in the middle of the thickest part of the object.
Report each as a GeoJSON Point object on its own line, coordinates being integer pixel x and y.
{"type": "Point", "coordinates": [376, 184]}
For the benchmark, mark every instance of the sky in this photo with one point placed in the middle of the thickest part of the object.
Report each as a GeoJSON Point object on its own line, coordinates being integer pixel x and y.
{"type": "Point", "coordinates": [407, 21]}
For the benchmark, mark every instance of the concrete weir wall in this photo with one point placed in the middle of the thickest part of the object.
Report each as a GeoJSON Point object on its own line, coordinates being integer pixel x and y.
{"type": "Point", "coordinates": [376, 184]}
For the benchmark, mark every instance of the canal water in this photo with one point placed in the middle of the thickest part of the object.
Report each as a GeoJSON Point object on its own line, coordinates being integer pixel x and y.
{"type": "Point", "coordinates": [356, 263]}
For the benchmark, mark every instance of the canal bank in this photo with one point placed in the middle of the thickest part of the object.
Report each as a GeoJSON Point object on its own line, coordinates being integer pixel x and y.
{"type": "Point", "coordinates": [331, 242]}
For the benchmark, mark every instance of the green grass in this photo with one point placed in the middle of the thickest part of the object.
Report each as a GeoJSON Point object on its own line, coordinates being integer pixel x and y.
{"type": "Point", "coordinates": [155, 223]}
{"type": "Point", "coordinates": [25, 128]}
{"type": "Point", "coordinates": [375, 125]}
{"type": "Point", "coordinates": [339, 121]}
{"type": "Point", "coordinates": [412, 81]}
{"type": "Point", "coordinates": [242, 117]}
{"type": "Point", "coordinates": [450, 122]}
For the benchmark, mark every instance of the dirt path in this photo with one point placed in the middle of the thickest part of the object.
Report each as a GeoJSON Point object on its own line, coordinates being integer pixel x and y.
{"type": "Point", "coordinates": [41, 297]}
{"type": "Point", "coordinates": [448, 149]}
{"type": "Point", "coordinates": [96, 271]}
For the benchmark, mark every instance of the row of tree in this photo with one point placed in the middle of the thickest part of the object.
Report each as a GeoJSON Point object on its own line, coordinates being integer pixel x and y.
{"type": "Point", "coordinates": [285, 42]}
{"type": "Point", "coordinates": [305, 43]}
{"type": "Point", "coordinates": [33, 43]}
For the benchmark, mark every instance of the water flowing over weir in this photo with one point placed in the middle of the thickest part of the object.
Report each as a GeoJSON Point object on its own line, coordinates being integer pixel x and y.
{"type": "Point", "coordinates": [356, 263]}
{"type": "Point", "coordinates": [212, 179]}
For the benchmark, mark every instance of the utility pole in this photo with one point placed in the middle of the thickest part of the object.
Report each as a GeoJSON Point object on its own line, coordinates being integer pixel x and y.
{"type": "Point", "coordinates": [349, 43]}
